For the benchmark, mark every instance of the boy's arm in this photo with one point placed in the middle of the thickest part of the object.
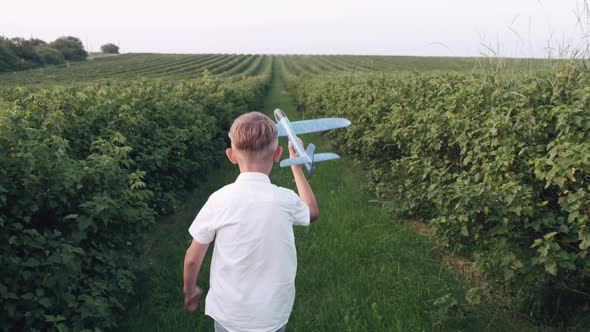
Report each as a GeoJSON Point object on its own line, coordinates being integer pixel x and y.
{"type": "Point", "coordinates": [192, 265]}
{"type": "Point", "coordinates": [303, 188]}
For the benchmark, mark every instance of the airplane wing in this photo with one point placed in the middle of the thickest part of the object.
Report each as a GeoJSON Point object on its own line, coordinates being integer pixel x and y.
{"type": "Point", "coordinates": [324, 156]}
{"type": "Point", "coordinates": [316, 159]}
{"type": "Point", "coordinates": [312, 126]}
{"type": "Point", "coordinates": [293, 161]}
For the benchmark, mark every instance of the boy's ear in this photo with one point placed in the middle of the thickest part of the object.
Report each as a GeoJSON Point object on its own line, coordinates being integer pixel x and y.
{"type": "Point", "coordinates": [277, 155]}
{"type": "Point", "coordinates": [230, 155]}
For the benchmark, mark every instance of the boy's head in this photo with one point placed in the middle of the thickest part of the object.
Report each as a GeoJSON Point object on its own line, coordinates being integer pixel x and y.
{"type": "Point", "coordinates": [254, 139]}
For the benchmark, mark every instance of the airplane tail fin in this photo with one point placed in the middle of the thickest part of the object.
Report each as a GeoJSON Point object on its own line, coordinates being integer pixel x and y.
{"type": "Point", "coordinates": [301, 159]}
{"type": "Point", "coordinates": [310, 153]}
{"type": "Point", "coordinates": [310, 150]}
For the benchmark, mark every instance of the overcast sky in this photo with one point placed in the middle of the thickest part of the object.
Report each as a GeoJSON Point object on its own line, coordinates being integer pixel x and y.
{"type": "Point", "coordinates": [518, 28]}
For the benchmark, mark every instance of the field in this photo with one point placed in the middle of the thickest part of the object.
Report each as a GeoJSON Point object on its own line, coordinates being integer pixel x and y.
{"type": "Point", "coordinates": [108, 161]}
{"type": "Point", "coordinates": [186, 66]}
{"type": "Point", "coordinates": [131, 66]}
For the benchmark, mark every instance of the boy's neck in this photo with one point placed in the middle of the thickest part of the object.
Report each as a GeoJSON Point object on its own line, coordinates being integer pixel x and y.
{"type": "Point", "coordinates": [258, 168]}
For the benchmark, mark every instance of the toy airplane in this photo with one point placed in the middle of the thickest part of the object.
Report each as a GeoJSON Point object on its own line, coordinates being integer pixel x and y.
{"type": "Point", "coordinates": [291, 129]}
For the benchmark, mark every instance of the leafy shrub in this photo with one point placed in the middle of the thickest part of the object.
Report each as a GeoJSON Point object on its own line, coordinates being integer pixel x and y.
{"type": "Point", "coordinates": [50, 56]}
{"type": "Point", "coordinates": [500, 166]}
{"type": "Point", "coordinates": [19, 53]}
{"type": "Point", "coordinates": [83, 172]}
{"type": "Point", "coordinates": [110, 48]}
{"type": "Point", "coordinates": [70, 47]}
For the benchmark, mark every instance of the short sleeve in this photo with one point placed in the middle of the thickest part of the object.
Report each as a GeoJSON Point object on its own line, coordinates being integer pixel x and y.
{"type": "Point", "coordinates": [300, 213]}
{"type": "Point", "coordinates": [204, 226]}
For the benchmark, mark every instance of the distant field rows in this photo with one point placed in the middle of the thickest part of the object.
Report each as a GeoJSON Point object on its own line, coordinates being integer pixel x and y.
{"type": "Point", "coordinates": [190, 66]}
{"type": "Point", "coordinates": [132, 66]}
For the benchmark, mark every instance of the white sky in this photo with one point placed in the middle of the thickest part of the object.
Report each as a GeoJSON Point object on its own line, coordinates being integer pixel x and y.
{"type": "Point", "coordinates": [518, 28]}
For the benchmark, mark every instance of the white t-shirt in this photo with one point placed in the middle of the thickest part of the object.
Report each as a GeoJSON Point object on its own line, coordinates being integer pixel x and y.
{"type": "Point", "coordinates": [252, 280]}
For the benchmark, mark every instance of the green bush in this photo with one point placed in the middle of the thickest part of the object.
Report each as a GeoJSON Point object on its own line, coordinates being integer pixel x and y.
{"type": "Point", "coordinates": [50, 56]}
{"type": "Point", "coordinates": [83, 172]}
{"type": "Point", "coordinates": [110, 48]}
{"type": "Point", "coordinates": [70, 47]}
{"type": "Point", "coordinates": [19, 53]}
{"type": "Point", "coordinates": [500, 166]}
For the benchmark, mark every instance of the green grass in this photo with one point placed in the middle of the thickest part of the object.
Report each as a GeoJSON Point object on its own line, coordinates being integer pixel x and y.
{"type": "Point", "coordinates": [359, 269]}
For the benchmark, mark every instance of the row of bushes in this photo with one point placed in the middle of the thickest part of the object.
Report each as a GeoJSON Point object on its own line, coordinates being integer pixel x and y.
{"type": "Point", "coordinates": [499, 166]}
{"type": "Point", "coordinates": [83, 171]}
{"type": "Point", "coordinates": [20, 53]}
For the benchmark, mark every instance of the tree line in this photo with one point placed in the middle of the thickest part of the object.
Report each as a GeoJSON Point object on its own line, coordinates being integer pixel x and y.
{"type": "Point", "coordinates": [19, 53]}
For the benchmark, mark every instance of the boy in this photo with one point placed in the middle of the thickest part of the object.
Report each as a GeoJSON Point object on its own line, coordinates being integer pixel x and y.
{"type": "Point", "coordinates": [252, 281]}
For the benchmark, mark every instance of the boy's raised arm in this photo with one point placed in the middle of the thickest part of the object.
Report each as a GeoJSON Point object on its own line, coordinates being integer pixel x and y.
{"type": "Point", "coordinates": [192, 265]}
{"type": "Point", "coordinates": [303, 188]}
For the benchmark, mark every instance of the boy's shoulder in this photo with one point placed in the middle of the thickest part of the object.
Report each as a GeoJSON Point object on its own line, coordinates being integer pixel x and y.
{"type": "Point", "coordinates": [221, 192]}
{"type": "Point", "coordinates": [232, 190]}
{"type": "Point", "coordinates": [287, 193]}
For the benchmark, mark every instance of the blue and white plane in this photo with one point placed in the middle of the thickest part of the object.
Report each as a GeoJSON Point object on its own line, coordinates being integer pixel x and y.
{"type": "Point", "coordinates": [307, 156]}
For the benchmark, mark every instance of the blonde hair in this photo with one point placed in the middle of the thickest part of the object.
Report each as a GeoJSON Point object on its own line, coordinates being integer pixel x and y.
{"type": "Point", "coordinates": [256, 134]}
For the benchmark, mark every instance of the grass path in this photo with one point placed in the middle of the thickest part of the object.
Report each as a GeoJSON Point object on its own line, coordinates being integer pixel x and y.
{"type": "Point", "coordinates": [359, 269]}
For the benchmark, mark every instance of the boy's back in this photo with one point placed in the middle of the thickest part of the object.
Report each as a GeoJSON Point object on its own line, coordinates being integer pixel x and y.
{"type": "Point", "coordinates": [254, 259]}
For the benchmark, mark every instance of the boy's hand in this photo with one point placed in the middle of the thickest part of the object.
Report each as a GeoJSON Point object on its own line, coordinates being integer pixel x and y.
{"type": "Point", "coordinates": [303, 188]}
{"type": "Point", "coordinates": [192, 265]}
{"type": "Point", "coordinates": [292, 152]}
{"type": "Point", "coordinates": [191, 299]}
